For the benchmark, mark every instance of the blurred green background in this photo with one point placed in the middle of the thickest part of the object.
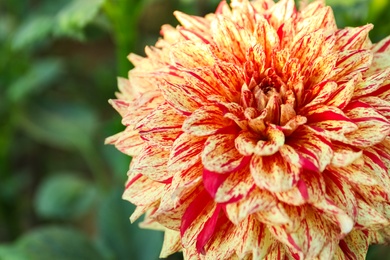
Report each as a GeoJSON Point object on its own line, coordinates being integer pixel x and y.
{"type": "Point", "coordinates": [60, 186]}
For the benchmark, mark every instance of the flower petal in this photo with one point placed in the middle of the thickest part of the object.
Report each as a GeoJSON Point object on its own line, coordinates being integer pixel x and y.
{"type": "Point", "coordinates": [355, 245]}
{"type": "Point", "coordinates": [315, 150]}
{"type": "Point", "coordinates": [162, 126]}
{"type": "Point", "coordinates": [257, 200]}
{"type": "Point", "coordinates": [206, 120]}
{"type": "Point", "coordinates": [140, 190]}
{"type": "Point", "coordinates": [273, 173]}
{"type": "Point", "coordinates": [275, 140]}
{"type": "Point", "coordinates": [195, 217]}
{"type": "Point", "coordinates": [373, 127]}
{"type": "Point", "coordinates": [171, 243]}
{"type": "Point", "coordinates": [152, 163]}
{"type": "Point", "coordinates": [128, 142]}
{"type": "Point", "coordinates": [220, 155]}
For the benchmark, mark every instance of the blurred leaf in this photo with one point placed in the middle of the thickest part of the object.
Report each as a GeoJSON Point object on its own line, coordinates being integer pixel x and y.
{"type": "Point", "coordinates": [120, 236]}
{"type": "Point", "coordinates": [66, 125]}
{"type": "Point", "coordinates": [64, 196]}
{"type": "Point", "coordinates": [75, 16]}
{"type": "Point", "coordinates": [10, 252]}
{"type": "Point", "coordinates": [40, 75]}
{"type": "Point", "coordinates": [32, 31]}
{"type": "Point", "coordinates": [343, 3]}
{"type": "Point", "coordinates": [57, 243]}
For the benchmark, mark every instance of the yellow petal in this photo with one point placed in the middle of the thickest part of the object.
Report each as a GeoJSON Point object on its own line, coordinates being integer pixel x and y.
{"type": "Point", "coordinates": [171, 243]}
{"type": "Point", "coordinates": [162, 126]}
{"type": "Point", "coordinates": [220, 155]}
{"type": "Point", "coordinates": [207, 120]}
{"type": "Point", "coordinates": [257, 200]}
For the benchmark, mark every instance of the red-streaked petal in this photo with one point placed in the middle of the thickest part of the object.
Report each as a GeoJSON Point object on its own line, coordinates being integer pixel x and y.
{"type": "Point", "coordinates": [245, 143]}
{"type": "Point", "coordinates": [315, 150]}
{"type": "Point", "coordinates": [374, 84]}
{"type": "Point", "coordinates": [276, 215]}
{"type": "Point", "coordinates": [352, 62]}
{"type": "Point", "coordinates": [277, 252]}
{"type": "Point", "coordinates": [343, 94]}
{"type": "Point", "coordinates": [339, 206]}
{"type": "Point", "coordinates": [353, 246]}
{"type": "Point", "coordinates": [184, 180]}
{"type": "Point", "coordinates": [254, 238]}
{"type": "Point", "coordinates": [369, 217]}
{"type": "Point", "coordinates": [344, 155]}
{"type": "Point", "coordinates": [152, 163]}
{"type": "Point", "coordinates": [171, 243]}
{"type": "Point", "coordinates": [128, 142]}
{"type": "Point", "coordinates": [383, 46]}
{"type": "Point", "coordinates": [185, 152]}
{"type": "Point", "coordinates": [309, 189]}
{"type": "Point", "coordinates": [220, 155]}
{"type": "Point", "coordinates": [189, 54]}
{"type": "Point", "coordinates": [275, 140]}
{"type": "Point", "coordinates": [219, 246]}
{"type": "Point", "coordinates": [207, 230]}
{"type": "Point", "coordinates": [171, 208]}
{"type": "Point", "coordinates": [141, 190]}
{"type": "Point", "coordinates": [195, 217]}
{"type": "Point", "coordinates": [228, 187]}
{"type": "Point", "coordinates": [273, 173]}
{"type": "Point", "coordinates": [331, 120]}
{"type": "Point", "coordinates": [206, 120]}
{"type": "Point", "coordinates": [373, 127]}
{"type": "Point", "coordinates": [162, 126]}
{"type": "Point", "coordinates": [257, 200]}
{"type": "Point", "coordinates": [352, 38]}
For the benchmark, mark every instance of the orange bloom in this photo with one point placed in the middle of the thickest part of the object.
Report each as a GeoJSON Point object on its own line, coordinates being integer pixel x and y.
{"type": "Point", "coordinates": [260, 132]}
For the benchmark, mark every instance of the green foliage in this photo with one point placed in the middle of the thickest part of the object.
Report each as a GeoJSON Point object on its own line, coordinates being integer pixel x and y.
{"type": "Point", "coordinates": [64, 196]}
{"type": "Point", "coordinates": [60, 243]}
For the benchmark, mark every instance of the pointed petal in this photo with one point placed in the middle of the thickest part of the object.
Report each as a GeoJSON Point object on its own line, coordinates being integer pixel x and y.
{"type": "Point", "coordinates": [225, 188]}
{"type": "Point", "coordinates": [369, 218]}
{"type": "Point", "coordinates": [195, 217]}
{"type": "Point", "coordinates": [257, 200]}
{"type": "Point", "coordinates": [162, 126]}
{"type": "Point", "coordinates": [219, 246]}
{"type": "Point", "coordinates": [128, 142]}
{"type": "Point", "coordinates": [273, 173]}
{"type": "Point", "coordinates": [185, 152]}
{"type": "Point", "coordinates": [254, 239]}
{"type": "Point", "coordinates": [152, 163]}
{"type": "Point", "coordinates": [309, 189]}
{"type": "Point", "coordinates": [220, 155]}
{"type": "Point", "coordinates": [206, 120]}
{"type": "Point", "coordinates": [275, 140]}
{"type": "Point", "coordinates": [141, 190]}
{"type": "Point", "coordinates": [189, 54]}
{"type": "Point", "coordinates": [315, 150]}
{"type": "Point", "coordinates": [373, 127]}
{"type": "Point", "coordinates": [355, 245]}
{"type": "Point", "coordinates": [352, 38]}
{"type": "Point", "coordinates": [331, 120]}
{"type": "Point", "coordinates": [171, 243]}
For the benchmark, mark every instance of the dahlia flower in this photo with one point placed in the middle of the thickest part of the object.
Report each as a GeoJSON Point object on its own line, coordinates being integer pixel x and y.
{"type": "Point", "coordinates": [260, 131]}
